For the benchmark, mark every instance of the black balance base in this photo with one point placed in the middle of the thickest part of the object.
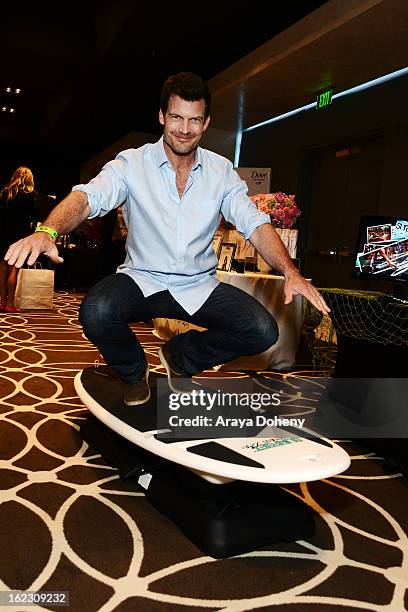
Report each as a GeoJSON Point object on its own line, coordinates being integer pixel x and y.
{"type": "Point", "coordinates": [222, 520]}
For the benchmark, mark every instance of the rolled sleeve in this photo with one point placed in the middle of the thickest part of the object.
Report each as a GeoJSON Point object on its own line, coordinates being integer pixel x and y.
{"type": "Point", "coordinates": [237, 207]}
{"type": "Point", "coordinates": [108, 189]}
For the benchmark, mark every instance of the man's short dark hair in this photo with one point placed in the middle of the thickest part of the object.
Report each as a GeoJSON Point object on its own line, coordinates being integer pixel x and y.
{"type": "Point", "coordinates": [188, 86]}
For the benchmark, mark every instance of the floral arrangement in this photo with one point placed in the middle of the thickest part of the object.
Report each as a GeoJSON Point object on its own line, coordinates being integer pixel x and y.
{"type": "Point", "coordinates": [281, 207]}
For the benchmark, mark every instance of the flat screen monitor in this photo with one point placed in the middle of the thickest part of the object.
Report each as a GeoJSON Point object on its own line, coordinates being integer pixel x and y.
{"type": "Point", "coordinates": [382, 251]}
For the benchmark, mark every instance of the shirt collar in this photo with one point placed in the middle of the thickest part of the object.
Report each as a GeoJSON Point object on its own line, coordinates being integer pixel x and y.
{"type": "Point", "coordinates": [161, 156]}
{"type": "Point", "coordinates": [198, 158]}
{"type": "Point", "coordinates": [159, 153]}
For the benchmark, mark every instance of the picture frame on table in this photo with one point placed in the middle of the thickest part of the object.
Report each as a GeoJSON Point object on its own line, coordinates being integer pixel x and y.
{"type": "Point", "coordinates": [217, 242]}
{"type": "Point", "coordinates": [226, 256]}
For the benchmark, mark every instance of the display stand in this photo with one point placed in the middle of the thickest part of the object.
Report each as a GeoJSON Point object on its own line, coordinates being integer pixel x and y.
{"type": "Point", "coordinates": [221, 519]}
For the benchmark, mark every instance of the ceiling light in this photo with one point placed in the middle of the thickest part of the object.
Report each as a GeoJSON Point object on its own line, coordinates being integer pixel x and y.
{"type": "Point", "coordinates": [18, 90]}
{"type": "Point", "coordinates": [11, 110]}
{"type": "Point", "coordinates": [8, 89]}
{"type": "Point", "coordinates": [4, 108]}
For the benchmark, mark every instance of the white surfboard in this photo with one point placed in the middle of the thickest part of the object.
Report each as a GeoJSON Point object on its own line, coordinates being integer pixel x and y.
{"type": "Point", "coordinates": [288, 459]}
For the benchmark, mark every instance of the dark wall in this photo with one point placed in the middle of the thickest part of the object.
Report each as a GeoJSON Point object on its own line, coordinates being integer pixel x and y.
{"type": "Point", "coordinates": [296, 150]}
{"type": "Point", "coordinates": [382, 109]}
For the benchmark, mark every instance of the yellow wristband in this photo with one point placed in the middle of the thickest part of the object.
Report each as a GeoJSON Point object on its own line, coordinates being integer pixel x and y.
{"type": "Point", "coordinates": [48, 230]}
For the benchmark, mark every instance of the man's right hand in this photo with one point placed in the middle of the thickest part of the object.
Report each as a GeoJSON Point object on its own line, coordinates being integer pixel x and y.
{"type": "Point", "coordinates": [30, 248]}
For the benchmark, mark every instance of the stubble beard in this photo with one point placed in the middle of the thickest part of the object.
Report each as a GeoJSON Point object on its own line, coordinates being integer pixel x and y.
{"type": "Point", "coordinates": [180, 149]}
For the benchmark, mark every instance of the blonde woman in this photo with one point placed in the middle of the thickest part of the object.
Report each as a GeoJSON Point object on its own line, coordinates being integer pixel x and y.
{"type": "Point", "coordinates": [16, 217]}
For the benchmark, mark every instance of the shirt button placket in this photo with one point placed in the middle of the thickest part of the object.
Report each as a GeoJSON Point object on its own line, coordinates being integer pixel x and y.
{"type": "Point", "coordinates": [180, 259]}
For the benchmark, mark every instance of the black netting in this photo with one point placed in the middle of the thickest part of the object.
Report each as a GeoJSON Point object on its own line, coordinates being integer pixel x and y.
{"type": "Point", "coordinates": [362, 315]}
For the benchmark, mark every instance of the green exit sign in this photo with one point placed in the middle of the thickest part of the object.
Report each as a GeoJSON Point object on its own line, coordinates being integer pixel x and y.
{"type": "Point", "coordinates": [324, 98]}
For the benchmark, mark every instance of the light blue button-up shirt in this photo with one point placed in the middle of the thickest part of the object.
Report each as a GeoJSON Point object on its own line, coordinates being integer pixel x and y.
{"type": "Point", "coordinates": [169, 242]}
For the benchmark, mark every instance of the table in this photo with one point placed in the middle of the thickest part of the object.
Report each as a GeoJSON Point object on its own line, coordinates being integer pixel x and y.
{"type": "Point", "coordinates": [267, 289]}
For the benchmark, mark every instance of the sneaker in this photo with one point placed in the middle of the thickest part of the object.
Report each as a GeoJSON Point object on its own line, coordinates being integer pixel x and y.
{"type": "Point", "coordinates": [179, 382]}
{"type": "Point", "coordinates": [104, 370]}
{"type": "Point", "coordinates": [138, 393]}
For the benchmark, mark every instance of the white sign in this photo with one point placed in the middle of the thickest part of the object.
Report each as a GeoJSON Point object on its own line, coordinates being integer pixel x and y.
{"type": "Point", "coordinates": [257, 179]}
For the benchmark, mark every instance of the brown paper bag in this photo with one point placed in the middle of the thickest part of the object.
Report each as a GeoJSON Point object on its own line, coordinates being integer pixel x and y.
{"type": "Point", "coordinates": [35, 288]}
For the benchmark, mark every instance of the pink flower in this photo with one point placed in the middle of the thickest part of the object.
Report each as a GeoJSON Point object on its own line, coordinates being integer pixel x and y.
{"type": "Point", "coordinates": [281, 207]}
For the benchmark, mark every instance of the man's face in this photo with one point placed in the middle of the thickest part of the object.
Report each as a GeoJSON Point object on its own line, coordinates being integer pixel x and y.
{"type": "Point", "coordinates": [184, 124]}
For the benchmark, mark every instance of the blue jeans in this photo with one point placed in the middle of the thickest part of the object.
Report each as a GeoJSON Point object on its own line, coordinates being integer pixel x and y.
{"type": "Point", "coordinates": [237, 324]}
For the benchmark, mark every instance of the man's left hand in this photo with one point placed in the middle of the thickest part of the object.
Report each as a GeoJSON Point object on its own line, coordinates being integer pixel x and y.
{"type": "Point", "coordinates": [295, 284]}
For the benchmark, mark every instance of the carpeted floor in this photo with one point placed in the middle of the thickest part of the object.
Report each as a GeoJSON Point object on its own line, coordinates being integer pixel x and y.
{"type": "Point", "coordinates": [68, 522]}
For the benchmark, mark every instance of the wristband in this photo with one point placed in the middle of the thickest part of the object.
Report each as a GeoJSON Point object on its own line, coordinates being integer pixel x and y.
{"type": "Point", "coordinates": [48, 230]}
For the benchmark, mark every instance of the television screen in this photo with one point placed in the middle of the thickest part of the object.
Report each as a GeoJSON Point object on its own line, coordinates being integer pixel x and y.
{"type": "Point", "coordinates": [382, 249]}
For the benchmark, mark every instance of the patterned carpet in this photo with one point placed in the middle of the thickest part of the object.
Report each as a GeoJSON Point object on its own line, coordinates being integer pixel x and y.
{"type": "Point", "coordinates": [68, 522]}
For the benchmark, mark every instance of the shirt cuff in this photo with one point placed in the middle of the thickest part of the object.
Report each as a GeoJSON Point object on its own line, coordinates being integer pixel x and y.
{"type": "Point", "coordinates": [252, 227]}
{"type": "Point", "coordinates": [92, 203]}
